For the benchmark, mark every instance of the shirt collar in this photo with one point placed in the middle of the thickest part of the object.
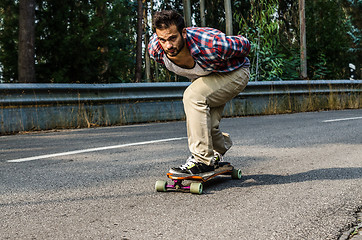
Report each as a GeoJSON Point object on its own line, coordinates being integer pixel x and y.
{"type": "Point", "coordinates": [190, 43]}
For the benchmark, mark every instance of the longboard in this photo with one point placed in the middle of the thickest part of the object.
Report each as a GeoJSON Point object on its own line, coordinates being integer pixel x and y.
{"type": "Point", "coordinates": [196, 186]}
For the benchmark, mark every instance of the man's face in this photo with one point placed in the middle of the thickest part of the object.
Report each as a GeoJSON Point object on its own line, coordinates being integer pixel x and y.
{"type": "Point", "coordinates": [171, 40]}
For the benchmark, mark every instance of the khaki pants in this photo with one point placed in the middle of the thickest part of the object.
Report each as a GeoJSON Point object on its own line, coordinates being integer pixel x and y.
{"type": "Point", "coordinates": [204, 102]}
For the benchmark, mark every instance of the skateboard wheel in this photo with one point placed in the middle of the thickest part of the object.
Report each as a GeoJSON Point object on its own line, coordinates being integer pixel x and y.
{"type": "Point", "coordinates": [196, 188]}
{"type": "Point", "coordinates": [236, 174]}
{"type": "Point", "coordinates": [161, 186]}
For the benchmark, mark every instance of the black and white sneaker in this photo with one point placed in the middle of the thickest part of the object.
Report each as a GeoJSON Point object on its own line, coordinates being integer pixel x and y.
{"type": "Point", "coordinates": [192, 167]}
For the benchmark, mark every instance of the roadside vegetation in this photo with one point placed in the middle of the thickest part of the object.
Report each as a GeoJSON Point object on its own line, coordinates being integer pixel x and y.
{"type": "Point", "coordinates": [95, 41]}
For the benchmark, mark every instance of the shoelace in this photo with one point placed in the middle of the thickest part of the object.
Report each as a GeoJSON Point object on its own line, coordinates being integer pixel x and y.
{"type": "Point", "coordinates": [189, 162]}
{"type": "Point", "coordinates": [218, 157]}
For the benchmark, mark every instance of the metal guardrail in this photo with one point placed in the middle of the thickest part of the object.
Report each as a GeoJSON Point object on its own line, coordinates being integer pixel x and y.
{"type": "Point", "coordinates": [32, 94]}
{"type": "Point", "coordinates": [26, 107]}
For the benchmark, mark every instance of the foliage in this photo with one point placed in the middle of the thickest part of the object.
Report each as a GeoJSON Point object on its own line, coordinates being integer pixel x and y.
{"type": "Point", "coordinates": [261, 27]}
{"type": "Point", "coordinates": [333, 40]}
{"type": "Point", "coordinates": [92, 38]}
{"type": "Point", "coordinates": [87, 41]}
{"type": "Point", "coordinates": [9, 18]}
{"type": "Point", "coordinates": [93, 41]}
{"type": "Point", "coordinates": [327, 40]}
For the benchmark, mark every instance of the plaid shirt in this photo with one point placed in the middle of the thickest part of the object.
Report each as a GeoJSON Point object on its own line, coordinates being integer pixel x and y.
{"type": "Point", "coordinates": [210, 48]}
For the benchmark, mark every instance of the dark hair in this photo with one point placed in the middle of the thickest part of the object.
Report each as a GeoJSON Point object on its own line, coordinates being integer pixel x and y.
{"type": "Point", "coordinates": [164, 19]}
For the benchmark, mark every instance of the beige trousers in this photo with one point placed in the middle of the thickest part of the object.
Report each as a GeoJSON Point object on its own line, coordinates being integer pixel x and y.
{"type": "Point", "coordinates": [204, 102]}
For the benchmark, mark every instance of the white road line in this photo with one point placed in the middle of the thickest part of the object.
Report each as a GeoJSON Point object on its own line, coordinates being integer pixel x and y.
{"type": "Point", "coordinates": [342, 119]}
{"type": "Point", "coordinates": [91, 150]}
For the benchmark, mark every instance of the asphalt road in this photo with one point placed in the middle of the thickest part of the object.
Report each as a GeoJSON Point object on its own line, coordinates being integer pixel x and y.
{"type": "Point", "coordinates": [302, 180]}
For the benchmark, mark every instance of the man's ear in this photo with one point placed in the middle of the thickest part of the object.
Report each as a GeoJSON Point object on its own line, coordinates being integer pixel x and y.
{"type": "Point", "coordinates": [184, 34]}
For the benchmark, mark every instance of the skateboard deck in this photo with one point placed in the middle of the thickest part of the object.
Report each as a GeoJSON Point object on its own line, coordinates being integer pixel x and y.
{"type": "Point", "coordinates": [196, 186]}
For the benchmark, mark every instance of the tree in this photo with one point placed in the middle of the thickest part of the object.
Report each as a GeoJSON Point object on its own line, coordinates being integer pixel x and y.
{"type": "Point", "coordinates": [228, 17]}
{"type": "Point", "coordinates": [146, 39]}
{"type": "Point", "coordinates": [303, 41]}
{"type": "Point", "coordinates": [327, 40]}
{"type": "Point", "coordinates": [94, 41]}
{"type": "Point", "coordinates": [139, 41]}
{"type": "Point", "coordinates": [9, 21]}
{"type": "Point", "coordinates": [353, 9]}
{"type": "Point", "coordinates": [26, 62]}
{"type": "Point", "coordinates": [261, 27]}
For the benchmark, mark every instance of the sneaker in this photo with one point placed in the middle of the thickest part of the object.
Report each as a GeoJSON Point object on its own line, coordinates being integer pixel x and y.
{"type": "Point", "coordinates": [192, 167]}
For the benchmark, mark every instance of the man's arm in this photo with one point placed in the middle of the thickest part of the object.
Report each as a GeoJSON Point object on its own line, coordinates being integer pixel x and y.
{"type": "Point", "coordinates": [231, 46]}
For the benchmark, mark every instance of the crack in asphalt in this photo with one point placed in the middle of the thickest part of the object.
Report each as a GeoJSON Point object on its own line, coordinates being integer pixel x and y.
{"type": "Point", "coordinates": [354, 229]}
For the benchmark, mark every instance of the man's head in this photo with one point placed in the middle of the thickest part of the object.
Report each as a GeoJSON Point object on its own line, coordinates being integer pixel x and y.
{"type": "Point", "coordinates": [170, 29]}
{"type": "Point", "coordinates": [164, 19]}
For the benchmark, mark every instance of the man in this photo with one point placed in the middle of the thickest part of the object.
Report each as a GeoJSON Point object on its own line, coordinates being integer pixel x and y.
{"type": "Point", "coordinates": [219, 70]}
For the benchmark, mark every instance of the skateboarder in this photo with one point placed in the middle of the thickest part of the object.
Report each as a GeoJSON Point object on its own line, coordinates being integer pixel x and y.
{"type": "Point", "coordinates": [218, 68]}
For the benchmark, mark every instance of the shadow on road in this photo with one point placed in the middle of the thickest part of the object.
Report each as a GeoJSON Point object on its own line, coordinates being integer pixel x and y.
{"type": "Point", "coordinates": [272, 179]}
{"type": "Point", "coordinates": [313, 175]}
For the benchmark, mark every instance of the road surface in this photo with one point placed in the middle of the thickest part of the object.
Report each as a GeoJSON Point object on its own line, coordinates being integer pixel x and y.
{"type": "Point", "coordinates": [302, 178]}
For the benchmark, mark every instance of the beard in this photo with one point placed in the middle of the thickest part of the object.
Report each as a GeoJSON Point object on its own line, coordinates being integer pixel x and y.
{"type": "Point", "coordinates": [174, 51]}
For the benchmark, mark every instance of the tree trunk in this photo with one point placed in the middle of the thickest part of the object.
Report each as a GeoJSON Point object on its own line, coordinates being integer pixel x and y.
{"type": "Point", "coordinates": [303, 41]}
{"type": "Point", "coordinates": [26, 60]}
{"type": "Point", "coordinates": [156, 77]}
{"type": "Point", "coordinates": [202, 13]}
{"type": "Point", "coordinates": [139, 41]}
{"type": "Point", "coordinates": [147, 55]}
{"type": "Point", "coordinates": [228, 17]}
{"type": "Point", "coordinates": [187, 12]}
{"type": "Point", "coordinates": [103, 44]}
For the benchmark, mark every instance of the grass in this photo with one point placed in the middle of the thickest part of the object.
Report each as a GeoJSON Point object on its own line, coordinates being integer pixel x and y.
{"type": "Point", "coordinates": [312, 102]}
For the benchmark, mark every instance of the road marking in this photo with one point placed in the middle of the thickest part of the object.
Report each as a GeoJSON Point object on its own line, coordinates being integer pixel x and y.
{"type": "Point", "coordinates": [92, 150]}
{"type": "Point", "coordinates": [342, 119]}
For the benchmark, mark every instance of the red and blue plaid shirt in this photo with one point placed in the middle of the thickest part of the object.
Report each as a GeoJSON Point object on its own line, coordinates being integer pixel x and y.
{"type": "Point", "coordinates": [211, 49]}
